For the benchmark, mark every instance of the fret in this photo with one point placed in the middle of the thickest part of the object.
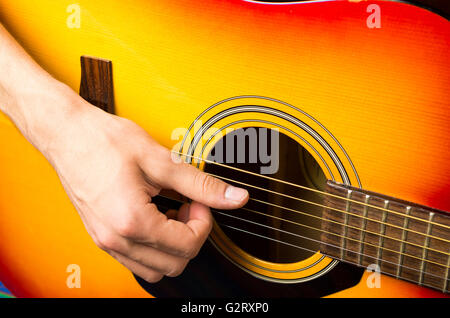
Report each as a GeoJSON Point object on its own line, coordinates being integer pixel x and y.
{"type": "Point", "coordinates": [425, 250]}
{"type": "Point", "coordinates": [345, 226]}
{"type": "Point", "coordinates": [402, 245]}
{"type": "Point", "coordinates": [445, 283]}
{"type": "Point", "coordinates": [382, 232]}
{"type": "Point", "coordinates": [409, 241]}
{"type": "Point", "coordinates": [363, 229]}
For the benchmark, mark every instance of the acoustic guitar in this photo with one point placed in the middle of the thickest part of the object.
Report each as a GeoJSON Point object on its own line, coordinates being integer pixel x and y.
{"type": "Point", "coordinates": [356, 93]}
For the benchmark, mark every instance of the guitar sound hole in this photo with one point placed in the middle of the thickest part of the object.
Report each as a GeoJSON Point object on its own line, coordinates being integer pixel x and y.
{"type": "Point", "coordinates": [264, 228]}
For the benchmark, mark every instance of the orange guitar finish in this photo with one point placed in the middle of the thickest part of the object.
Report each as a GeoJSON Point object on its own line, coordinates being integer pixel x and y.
{"type": "Point", "coordinates": [382, 92]}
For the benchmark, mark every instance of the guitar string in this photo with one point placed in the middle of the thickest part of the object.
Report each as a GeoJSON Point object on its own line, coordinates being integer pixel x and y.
{"type": "Point", "coordinates": [307, 188]}
{"type": "Point", "coordinates": [332, 233]}
{"type": "Point", "coordinates": [361, 242]}
{"type": "Point", "coordinates": [320, 242]}
{"type": "Point", "coordinates": [336, 222]}
{"type": "Point", "coordinates": [348, 261]}
{"type": "Point", "coordinates": [327, 207]}
{"type": "Point", "coordinates": [328, 244]}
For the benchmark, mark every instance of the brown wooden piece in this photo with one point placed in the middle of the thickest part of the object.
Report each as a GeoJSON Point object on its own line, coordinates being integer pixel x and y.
{"type": "Point", "coordinates": [368, 235]}
{"type": "Point", "coordinates": [96, 84]}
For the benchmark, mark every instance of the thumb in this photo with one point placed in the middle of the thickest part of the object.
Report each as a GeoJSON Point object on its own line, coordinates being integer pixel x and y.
{"type": "Point", "coordinates": [201, 187]}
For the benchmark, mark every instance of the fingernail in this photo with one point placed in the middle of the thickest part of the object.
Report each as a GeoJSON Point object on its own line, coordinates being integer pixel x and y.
{"type": "Point", "coordinates": [235, 194]}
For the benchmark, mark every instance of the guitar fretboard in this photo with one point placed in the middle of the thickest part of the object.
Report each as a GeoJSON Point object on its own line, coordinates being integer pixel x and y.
{"type": "Point", "coordinates": [405, 240]}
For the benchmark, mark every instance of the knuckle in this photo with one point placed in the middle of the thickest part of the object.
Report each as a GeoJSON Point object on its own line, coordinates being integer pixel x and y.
{"type": "Point", "coordinates": [126, 229]}
{"type": "Point", "coordinates": [205, 181]}
{"type": "Point", "coordinates": [106, 241]}
{"type": "Point", "coordinates": [164, 167]}
{"type": "Point", "coordinates": [153, 277]}
{"type": "Point", "coordinates": [177, 269]}
{"type": "Point", "coordinates": [191, 251]}
{"type": "Point", "coordinates": [99, 243]}
{"type": "Point", "coordinates": [127, 225]}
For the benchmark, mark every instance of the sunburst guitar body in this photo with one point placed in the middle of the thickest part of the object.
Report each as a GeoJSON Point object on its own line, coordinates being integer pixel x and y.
{"type": "Point", "coordinates": [357, 91]}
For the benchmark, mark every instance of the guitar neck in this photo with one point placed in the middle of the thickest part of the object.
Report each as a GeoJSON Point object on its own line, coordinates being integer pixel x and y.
{"type": "Point", "coordinates": [402, 239]}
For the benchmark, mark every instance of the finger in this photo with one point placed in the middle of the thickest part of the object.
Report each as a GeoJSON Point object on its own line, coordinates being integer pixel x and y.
{"type": "Point", "coordinates": [193, 183]}
{"type": "Point", "coordinates": [157, 260]}
{"type": "Point", "coordinates": [181, 215]}
{"type": "Point", "coordinates": [150, 257]}
{"type": "Point", "coordinates": [147, 274]}
{"type": "Point", "coordinates": [186, 236]}
{"type": "Point", "coordinates": [172, 214]}
{"type": "Point", "coordinates": [180, 238]}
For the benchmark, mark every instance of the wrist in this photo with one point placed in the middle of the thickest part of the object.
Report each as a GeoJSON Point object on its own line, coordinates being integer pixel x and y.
{"type": "Point", "coordinates": [45, 115]}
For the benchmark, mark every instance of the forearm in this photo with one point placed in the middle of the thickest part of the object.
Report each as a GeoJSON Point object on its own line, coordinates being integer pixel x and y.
{"type": "Point", "coordinates": [111, 168]}
{"type": "Point", "coordinates": [35, 101]}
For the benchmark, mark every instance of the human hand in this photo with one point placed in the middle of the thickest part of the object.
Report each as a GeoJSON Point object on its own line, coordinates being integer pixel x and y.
{"type": "Point", "coordinates": [111, 168]}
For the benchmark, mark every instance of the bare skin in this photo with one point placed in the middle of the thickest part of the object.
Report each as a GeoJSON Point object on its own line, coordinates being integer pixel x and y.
{"type": "Point", "coordinates": [113, 197]}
